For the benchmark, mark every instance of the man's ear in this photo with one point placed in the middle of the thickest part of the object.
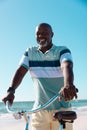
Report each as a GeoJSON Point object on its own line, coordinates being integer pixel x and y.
{"type": "Point", "coordinates": [52, 34]}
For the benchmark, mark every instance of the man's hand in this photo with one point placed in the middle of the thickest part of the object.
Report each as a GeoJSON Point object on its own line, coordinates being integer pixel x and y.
{"type": "Point", "coordinates": [9, 97]}
{"type": "Point", "coordinates": [68, 93]}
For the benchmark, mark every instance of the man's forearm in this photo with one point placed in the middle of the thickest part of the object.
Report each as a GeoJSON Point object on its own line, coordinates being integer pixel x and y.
{"type": "Point", "coordinates": [17, 78]}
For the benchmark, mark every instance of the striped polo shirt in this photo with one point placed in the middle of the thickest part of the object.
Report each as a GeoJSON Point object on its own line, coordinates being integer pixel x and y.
{"type": "Point", "coordinates": [46, 73]}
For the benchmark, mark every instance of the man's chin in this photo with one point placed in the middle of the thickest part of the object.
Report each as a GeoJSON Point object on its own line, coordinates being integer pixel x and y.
{"type": "Point", "coordinates": [42, 45]}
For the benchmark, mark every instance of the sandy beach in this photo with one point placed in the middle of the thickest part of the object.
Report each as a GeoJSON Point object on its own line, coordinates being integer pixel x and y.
{"type": "Point", "coordinates": [80, 123]}
{"type": "Point", "coordinates": [7, 121]}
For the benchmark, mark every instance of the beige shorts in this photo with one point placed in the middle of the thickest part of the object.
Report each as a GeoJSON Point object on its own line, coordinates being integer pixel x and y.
{"type": "Point", "coordinates": [44, 120]}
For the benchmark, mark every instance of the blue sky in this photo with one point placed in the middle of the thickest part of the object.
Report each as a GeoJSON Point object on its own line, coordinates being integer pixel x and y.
{"type": "Point", "coordinates": [18, 19]}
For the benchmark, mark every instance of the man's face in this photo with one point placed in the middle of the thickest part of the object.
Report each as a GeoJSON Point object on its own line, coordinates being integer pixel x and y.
{"type": "Point", "coordinates": [44, 35]}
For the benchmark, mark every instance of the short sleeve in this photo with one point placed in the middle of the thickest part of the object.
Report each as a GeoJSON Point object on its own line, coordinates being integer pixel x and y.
{"type": "Point", "coordinates": [65, 55]}
{"type": "Point", "coordinates": [24, 60]}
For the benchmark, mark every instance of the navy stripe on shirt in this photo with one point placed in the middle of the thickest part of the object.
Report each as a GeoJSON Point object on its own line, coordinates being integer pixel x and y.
{"type": "Point", "coordinates": [55, 63]}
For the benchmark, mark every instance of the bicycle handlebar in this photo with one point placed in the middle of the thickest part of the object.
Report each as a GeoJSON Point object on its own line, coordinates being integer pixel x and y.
{"type": "Point", "coordinates": [41, 107]}
{"type": "Point", "coordinates": [19, 114]}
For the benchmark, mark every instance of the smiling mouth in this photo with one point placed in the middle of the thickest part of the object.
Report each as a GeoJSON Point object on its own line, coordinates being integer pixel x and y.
{"type": "Point", "coordinates": [42, 41]}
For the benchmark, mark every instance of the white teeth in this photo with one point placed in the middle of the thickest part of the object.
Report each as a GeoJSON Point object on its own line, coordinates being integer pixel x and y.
{"type": "Point", "coordinates": [42, 40]}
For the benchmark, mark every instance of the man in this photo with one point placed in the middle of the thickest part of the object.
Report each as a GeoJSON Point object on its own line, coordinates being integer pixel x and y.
{"type": "Point", "coordinates": [51, 68]}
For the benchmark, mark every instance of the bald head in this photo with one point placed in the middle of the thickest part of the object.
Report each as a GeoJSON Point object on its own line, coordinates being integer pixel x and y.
{"type": "Point", "coordinates": [45, 25]}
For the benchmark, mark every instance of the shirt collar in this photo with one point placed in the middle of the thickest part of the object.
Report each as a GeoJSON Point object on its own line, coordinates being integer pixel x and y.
{"type": "Point", "coordinates": [47, 50]}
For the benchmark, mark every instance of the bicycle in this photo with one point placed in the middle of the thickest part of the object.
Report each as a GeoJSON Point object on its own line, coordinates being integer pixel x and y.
{"type": "Point", "coordinates": [62, 116]}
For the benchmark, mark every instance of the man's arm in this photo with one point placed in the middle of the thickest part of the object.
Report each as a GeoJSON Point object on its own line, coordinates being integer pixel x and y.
{"type": "Point", "coordinates": [18, 76]}
{"type": "Point", "coordinates": [68, 91]}
{"type": "Point", "coordinates": [16, 80]}
{"type": "Point", "coordinates": [67, 69]}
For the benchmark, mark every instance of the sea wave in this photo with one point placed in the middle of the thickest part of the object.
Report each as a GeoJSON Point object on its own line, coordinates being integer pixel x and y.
{"type": "Point", "coordinates": [78, 105]}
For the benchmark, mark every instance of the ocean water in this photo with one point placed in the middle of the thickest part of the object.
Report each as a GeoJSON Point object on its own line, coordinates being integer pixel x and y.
{"type": "Point", "coordinates": [27, 105]}
{"type": "Point", "coordinates": [17, 106]}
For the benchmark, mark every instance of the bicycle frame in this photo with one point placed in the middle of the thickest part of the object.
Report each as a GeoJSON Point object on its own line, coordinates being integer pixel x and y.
{"type": "Point", "coordinates": [19, 114]}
